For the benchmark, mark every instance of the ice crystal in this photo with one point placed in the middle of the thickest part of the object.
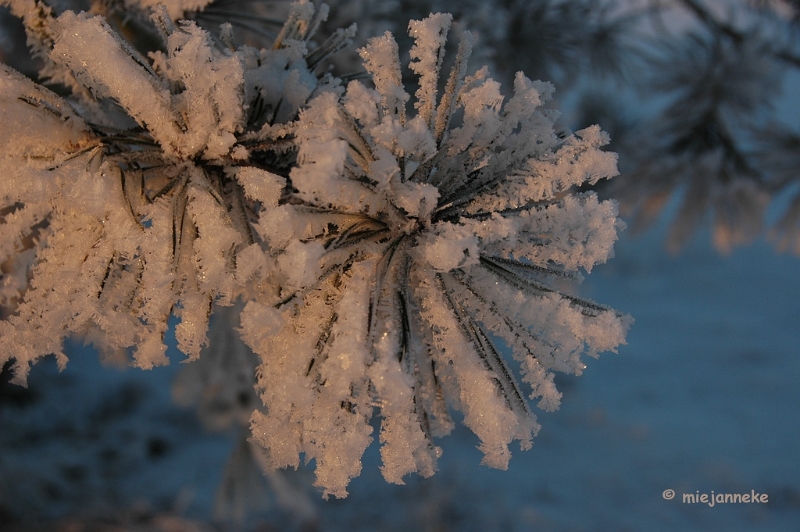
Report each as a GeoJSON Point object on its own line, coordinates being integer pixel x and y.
{"type": "Point", "coordinates": [387, 250]}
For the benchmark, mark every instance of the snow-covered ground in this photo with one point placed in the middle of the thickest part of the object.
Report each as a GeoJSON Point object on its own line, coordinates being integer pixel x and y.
{"type": "Point", "coordinates": [703, 397]}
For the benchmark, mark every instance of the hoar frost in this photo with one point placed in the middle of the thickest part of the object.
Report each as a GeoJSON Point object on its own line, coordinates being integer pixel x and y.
{"type": "Point", "coordinates": [382, 245]}
{"type": "Point", "coordinates": [125, 219]}
{"type": "Point", "coordinates": [411, 245]}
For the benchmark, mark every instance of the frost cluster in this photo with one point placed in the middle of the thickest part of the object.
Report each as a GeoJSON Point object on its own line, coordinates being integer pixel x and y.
{"type": "Point", "coordinates": [387, 249]}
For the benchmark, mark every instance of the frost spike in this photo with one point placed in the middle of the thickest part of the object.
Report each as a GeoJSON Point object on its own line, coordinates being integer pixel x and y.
{"type": "Point", "coordinates": [430, 36]}
{"type": "Point", "coordinates": [454, 84]}
{"type": "Point", "coordinates": [87, 45]}
{"type": "Point", "coordinates": [515, 279]}
{"type": "Point", "coordinates": [298, 23]}
{"type": "Point", "coordinates": [163, 22]}
{"type": "Point", "coordinates": [382, 60]}
{"type": "Point", "coordinates": [533, 268]}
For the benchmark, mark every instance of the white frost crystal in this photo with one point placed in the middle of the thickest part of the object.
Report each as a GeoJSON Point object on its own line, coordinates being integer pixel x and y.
{"type": "Point", "coordinates": [381, 246]}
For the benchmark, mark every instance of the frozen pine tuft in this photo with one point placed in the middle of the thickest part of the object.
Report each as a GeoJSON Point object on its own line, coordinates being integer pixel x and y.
{"type": "Point", "coordinates": [414, 246]}
{"type": "Point", "coordinates": [393, 255]}
{"type": "Point", "coordinates": [136, 197]}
